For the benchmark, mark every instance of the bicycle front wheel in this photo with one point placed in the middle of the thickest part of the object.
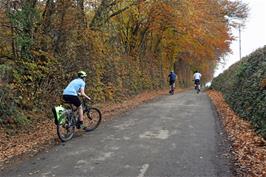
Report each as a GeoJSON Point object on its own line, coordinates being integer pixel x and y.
{"type": "Point", "coordinates": [92, 119]}
{"type": "Point", "coordinates": [65, 131]}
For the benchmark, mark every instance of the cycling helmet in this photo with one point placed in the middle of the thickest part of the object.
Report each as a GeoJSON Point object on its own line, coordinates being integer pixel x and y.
{"type": "Point", "coordinates": [82, 74]}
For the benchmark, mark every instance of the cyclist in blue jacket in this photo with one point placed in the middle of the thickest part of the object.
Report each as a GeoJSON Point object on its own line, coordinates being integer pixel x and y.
{"type": "Point", "coordinates": [172, 79]}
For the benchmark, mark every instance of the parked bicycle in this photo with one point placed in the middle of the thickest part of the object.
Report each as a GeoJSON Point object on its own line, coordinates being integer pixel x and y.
{"type": "Point", "coordinates": [66, 119]}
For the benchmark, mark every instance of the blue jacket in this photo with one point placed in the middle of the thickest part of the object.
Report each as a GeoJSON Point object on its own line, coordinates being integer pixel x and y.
{"type": "Point", "coordinates": [172, 76]}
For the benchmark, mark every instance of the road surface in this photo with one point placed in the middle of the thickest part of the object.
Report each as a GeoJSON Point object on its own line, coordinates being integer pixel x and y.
{"type": "Point", "coordinates": [177, 135]}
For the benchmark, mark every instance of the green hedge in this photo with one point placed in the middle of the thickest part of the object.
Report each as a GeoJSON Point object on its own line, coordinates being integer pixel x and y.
{"type": "Point", "coordinates": [243, 86]}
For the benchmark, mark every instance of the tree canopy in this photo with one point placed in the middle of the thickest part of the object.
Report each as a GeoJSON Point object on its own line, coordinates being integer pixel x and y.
{"type": "Point", "coordinates": [126, 46]}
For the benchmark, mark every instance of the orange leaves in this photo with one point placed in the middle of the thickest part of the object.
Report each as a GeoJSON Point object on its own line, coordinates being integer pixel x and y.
{"type": "Point", "coordinates": [163, 16]}
{"type": "Point", "coordinates": [196, 27]}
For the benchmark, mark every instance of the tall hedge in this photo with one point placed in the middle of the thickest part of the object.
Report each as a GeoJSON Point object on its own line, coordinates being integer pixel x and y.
{"type": "Point", "coordinates": [244, 88]}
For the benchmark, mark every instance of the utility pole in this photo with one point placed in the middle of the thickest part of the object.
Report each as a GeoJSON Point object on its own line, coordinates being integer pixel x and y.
{"type": "Point", "coordinates": [240, 41]}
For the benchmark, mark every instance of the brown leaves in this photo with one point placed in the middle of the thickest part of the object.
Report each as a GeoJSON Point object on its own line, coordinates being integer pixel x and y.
{"type": "Point", "coordinates": [249, 148]}
{"type": "Point", "coordinates": [24, 142]}
{"type": "Point", "coordinates": [263, 84]}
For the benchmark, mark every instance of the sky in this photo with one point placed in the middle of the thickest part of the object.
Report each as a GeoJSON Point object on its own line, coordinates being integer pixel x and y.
{"type": "Point", "coordinates": [253, 35]}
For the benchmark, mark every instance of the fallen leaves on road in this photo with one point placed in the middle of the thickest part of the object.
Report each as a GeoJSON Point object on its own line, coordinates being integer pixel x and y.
{"type": "Point", "coordinates": [43, 134]}
{"type": "Point", "coordinates": [249, 148]}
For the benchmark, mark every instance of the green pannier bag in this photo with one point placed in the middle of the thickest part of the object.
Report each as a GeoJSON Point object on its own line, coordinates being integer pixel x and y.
{"type": "Point", "coordinates": [59, 114]}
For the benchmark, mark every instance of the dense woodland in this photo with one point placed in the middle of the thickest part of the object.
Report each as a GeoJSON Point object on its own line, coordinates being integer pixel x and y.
{"type": "Point", "coordinates": [125, 46]}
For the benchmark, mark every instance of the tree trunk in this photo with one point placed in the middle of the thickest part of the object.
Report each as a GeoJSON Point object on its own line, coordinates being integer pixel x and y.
{"type": "Point", "coordinates": [47, 15]}
{"type": "Point", "coordinates": [102, 14]}
{"type": "Point", "coordinates": [81, 14]}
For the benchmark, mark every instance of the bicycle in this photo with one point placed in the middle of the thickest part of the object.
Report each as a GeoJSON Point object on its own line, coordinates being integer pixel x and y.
{"type": "Point", "coordinates": [172, 89]}
{"type": "Point", "coordinates": [68, 121]}
{"type": "Point", "coordinates": [197, 87]}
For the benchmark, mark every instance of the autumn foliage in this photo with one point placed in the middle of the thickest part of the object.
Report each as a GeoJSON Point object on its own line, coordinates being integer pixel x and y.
{"type": "Point", "coordinates": [126, 47]}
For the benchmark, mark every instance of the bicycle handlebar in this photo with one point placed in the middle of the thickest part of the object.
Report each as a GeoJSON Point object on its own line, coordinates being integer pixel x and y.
{"type": "Point", "coordinates": [85, 99]}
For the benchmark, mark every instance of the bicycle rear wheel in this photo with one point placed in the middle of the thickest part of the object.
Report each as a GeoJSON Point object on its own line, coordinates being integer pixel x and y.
{"type": "Point", "coordinates": [92, 119]}
{"type": "Point", "coordinates": [172, 90]}
{"type": "Point", "coordinates": [198, 90]}
{"type": "Point", "coordinates": [65, 130]}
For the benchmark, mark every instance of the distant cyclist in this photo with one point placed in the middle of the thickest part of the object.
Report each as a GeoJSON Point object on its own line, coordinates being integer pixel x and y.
{"type": "Point", "coordinates": [75, 87]}
{"type": "Point", "coordinates": [172, 79]}
{"type": "Point", "coordinates": [197, 77]}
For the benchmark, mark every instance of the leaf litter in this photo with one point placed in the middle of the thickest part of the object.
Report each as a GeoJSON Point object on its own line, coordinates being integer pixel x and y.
{"type": "Point", "coordinates": [249, 148]}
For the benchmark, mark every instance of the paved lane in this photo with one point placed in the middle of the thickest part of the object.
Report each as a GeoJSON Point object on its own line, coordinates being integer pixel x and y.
{"type": "Point", "coordinates": [171, 136]}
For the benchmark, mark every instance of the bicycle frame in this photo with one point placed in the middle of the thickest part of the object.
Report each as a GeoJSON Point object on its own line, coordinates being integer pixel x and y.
{"type": "Point", "coordinates": [197, 87]}
{"type": "Point", "coordinates": [72, 119]}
